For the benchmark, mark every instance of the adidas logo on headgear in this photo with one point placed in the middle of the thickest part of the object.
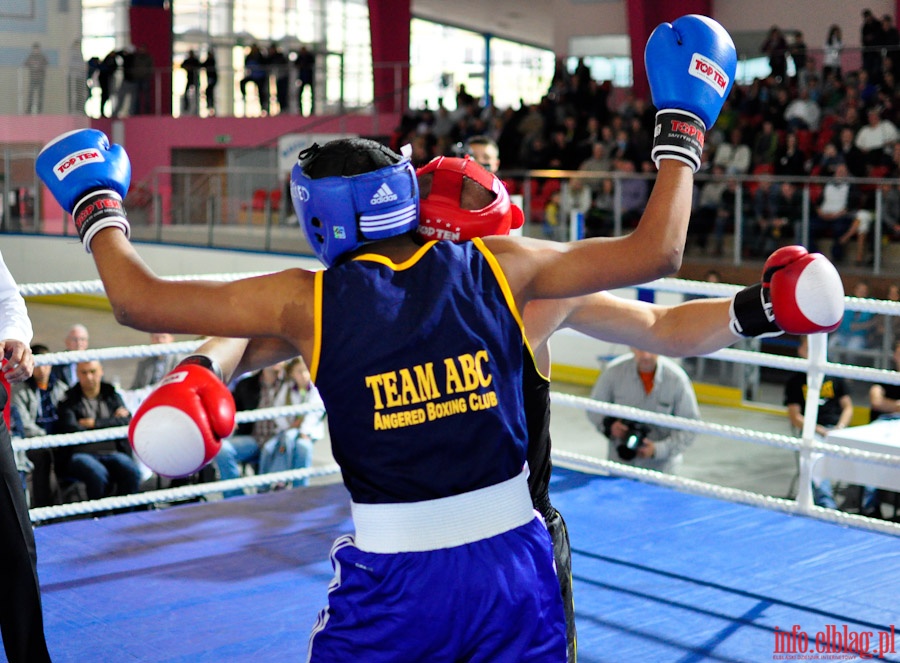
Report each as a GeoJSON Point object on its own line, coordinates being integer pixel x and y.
{"type": "Point", "coordinates": [383, 195]}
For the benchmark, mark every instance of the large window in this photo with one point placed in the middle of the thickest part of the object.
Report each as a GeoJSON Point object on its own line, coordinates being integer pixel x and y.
{"type": "Point", "coordinates": [442, 58]}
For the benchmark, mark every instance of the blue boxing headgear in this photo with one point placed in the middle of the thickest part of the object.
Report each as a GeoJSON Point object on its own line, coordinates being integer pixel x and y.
{"type": "Point", "coordinates": [350, 192]}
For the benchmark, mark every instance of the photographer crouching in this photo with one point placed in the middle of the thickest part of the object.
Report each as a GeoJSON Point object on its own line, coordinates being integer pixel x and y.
{"type": "Point", "coordinates": [657, 384]}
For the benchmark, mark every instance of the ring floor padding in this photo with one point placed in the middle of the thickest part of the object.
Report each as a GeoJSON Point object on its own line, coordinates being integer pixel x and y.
{"type": "Point", "coordinates": [660, 576]}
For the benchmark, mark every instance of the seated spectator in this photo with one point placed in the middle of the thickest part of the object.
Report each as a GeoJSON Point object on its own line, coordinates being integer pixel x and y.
{"type": "Point", "coordinates": [599, 162]}
{"type": "Point", "coordinates": [888, 326]}
{"type": "Point", "coordinates": [575, 196]}
{"type": "Point", "coordinates": [876, 139]}
{"type": "Point", "coordinates": [37, 400]}
{"type": "Point", "coordinates": [788, 216]}
{"type": "Point", "coordinates": [884, 398]}
{"type": "Point", "coordinates": [857, 327]}
{"type": "Point", "coordinates": [803, 112]}
{"type": "Point", "coordinates": [151, 370]}
{"type": "Point", "coordinates": [77, 338]}
{"type": "Point", "coordinates": [633, 193]}
{"type": "Point", "coordinates": [291, 448]}
{"type": "Point", "coordinates": [835, 412]}
{"type": "Point", "coordinates": [827, 161]}
{"type": "Point", "coordinates": [734, 156]}
{"type": "Point", "coordinates": [765, 145]}
{"type": "Point", "coordinates": [254, 392]}
{"type": "Point", "coordinates": [859, 229]}
{"type": "Point", "coordinates": [107, 467]}
{"type": "Point", "coordinates": [764, 211]}
{"type": "Point", "coordinates": [708, 206]}
{"type": "Point", "coordinates": [790, 160]}
{"type": "Point", "coordinates": [834, 212]}
{"type": "Point", "coordinates": [850, 154]}
{"type": "Point", "coordinates": [657, 384]}
{"type": "Point", "coordinates": [599, 220]}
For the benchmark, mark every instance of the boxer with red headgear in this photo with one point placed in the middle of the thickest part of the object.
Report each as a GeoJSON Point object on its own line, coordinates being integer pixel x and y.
{"type": "Point", "coordinates": [460, 200]}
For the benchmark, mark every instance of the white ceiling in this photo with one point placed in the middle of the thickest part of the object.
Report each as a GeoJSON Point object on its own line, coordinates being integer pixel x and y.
{"type": "Point", "coordinates": [530, 22]}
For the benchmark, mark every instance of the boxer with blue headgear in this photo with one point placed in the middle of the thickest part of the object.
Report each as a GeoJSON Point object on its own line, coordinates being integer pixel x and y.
{"type": "Point", "coordinates": [352, 192]}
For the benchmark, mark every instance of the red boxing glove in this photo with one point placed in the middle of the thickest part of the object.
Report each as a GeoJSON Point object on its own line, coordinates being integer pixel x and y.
{"type": "Point", "coordinates": [800, 293]}
{"type": "Point", "coordinates": [179, 427]}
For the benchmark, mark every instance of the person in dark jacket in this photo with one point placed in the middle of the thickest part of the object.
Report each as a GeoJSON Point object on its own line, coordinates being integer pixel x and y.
{"type": "Point", "coordinates": [106, 467]}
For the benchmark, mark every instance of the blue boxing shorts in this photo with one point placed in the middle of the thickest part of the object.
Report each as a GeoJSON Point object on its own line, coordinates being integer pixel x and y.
{"type": "Point", "coordinates": [492, 600]}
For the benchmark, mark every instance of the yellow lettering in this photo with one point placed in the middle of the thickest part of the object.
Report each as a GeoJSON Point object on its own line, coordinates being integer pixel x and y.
{"type": "Point", "coordinates": [467, 365]}
{"type": "Point", "coordinates": [428, 387]}
{"type": "Point", "coordinates": [373, 382]}
{"type": "Point", "coordinates": [391, 395]}
{"type": "Point", "coordinates": [408, 392]}
{"type": "Point", "coordinates": [827, 389]}
{"type": "Point", "coordinates": [483, 401]}
{"type": "Point", "coordinates": [454, 383]}
{"type": "Point", "coordinates": [481, 358]}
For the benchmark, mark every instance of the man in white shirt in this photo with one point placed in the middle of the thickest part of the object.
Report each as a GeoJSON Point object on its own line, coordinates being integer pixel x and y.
{"type": "Point", "coordinates": [21, 618]}
{"type": "Point", "coordinates": [876, 138]}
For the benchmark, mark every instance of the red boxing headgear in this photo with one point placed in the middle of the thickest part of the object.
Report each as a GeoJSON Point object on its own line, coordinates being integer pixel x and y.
{"type": "Point", "coordinates": [440, 214]}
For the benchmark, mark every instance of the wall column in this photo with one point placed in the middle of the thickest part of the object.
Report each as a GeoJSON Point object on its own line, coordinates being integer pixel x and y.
{"type": "Point", "coordinates": [643, 16]}
{"type": "Point", "coordinates": [389, 24]}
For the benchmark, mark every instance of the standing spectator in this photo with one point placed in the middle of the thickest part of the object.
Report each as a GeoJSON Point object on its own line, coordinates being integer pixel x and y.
{"type": "Point", "coordinates": [36, 64]}
{"type": "Point", "coordinates": [127, 100]}
{"type": "Point", "coordinates": [657, 384]}
{"type": "Point", "coordinates": [278, 67]}
{"type": "Point", "coordinates": [151, 370]}
{"type": "Point", "coordinates": [37, 400]}
{"type": "Point", "coordinates": [835, 412]}
{"type": "Point", "coordinates": [485, 151]}
{"type": "Point", "coordinates": [870, 41]}
{"type": "Point", "coordinates": [142, 74]}
{"type": "Point", "coordinates": [831, 59]}
{"type": "Point", "coordinates": [776, 47]}
{"type": "Point", "coordinates": [105, 467]}
{"type": "Point", "coordinates": [21, 618]}
{"type": "Point", "coordinates": [764, 211]}
{"type": "Point", "coordinates": [291, 448]}
{"type": "Point", "coordinates": [212, 77]}
{"type": "Point", "coordinates": [797, 49]}
{"type": "Point", "coordinates": [255, 72]}
{"type": "Point", "coordinates": [190, 102]}
{"type": "Point", "coordinates": [107, 79]}
{"type": "Point", "coordinates": [76, 80]}
{"type": "Point", "coordinates": [306, 78]}
{"type": "Point", "coordinates": [256, 391]}
{"type": "Point", "coordinates": [77, 339]}
{"type": "Point", "coordinates": [890, 43]}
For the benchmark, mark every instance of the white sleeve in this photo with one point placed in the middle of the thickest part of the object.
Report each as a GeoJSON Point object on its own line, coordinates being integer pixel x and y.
{"type": "Point", "coordinates": [14, 321]}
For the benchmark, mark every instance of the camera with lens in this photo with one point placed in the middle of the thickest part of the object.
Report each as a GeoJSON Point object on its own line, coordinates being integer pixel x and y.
{"type": "Point", "coordinates": [633, 438]}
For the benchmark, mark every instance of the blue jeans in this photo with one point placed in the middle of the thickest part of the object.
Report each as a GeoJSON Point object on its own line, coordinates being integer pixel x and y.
{"type": "Point", "coordinates": [98, 472]}
{"type": "Point", "coordinates": [823, 496]}
{"type": "Point", "coordinates": [236, 450]}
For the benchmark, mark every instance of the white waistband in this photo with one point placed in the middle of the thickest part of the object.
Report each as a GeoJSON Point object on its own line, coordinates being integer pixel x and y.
{"type": "Point", "coordinates": [445, 522]}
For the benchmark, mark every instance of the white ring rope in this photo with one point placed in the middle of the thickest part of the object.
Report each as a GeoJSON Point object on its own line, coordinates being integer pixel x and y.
{"type": "Point", "coordinates": [803, 445]}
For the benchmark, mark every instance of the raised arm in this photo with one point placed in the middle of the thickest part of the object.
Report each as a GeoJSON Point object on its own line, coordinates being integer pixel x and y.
{"type": "Point", "coordinates": [690, 66]}
{"type": "Point", "coordinates": [89, 177]}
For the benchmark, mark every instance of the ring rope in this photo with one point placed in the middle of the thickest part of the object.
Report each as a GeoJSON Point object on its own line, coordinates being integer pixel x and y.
{"type": "Point", "coordinates": [595, 465]}
{"type": "Point", "coordinates": [42, 514]}
{"type": "Point", "coordinates": [119, 432]}
{"type": "Point", "coordinates": [672, 285]}
{"type": "Point", "coordinates": [722, 430]}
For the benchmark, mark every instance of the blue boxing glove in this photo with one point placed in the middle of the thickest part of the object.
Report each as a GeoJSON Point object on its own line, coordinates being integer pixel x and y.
{"type": "Point", "coordinates": [690, 65]}
{"type": "Point", "coordinates": [89, 178]}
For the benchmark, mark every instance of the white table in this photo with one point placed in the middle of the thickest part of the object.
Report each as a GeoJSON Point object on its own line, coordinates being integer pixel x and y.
{"type": "Point", "coordinates": [882, 436]}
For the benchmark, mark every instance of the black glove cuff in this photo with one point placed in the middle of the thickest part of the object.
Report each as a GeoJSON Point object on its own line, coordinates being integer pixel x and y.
{"type": "Point", "coordinates": [97, 210]}
{"type": "Point", "coordinates": [751, 313]}
{"type": "Point", "coordinates": [678, 135]}
{"type": "Point", "coordinates": [204, 361]}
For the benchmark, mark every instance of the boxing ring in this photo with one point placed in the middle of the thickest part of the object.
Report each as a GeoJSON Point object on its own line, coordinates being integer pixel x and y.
{"type": "Point", "coordinates": [665, 568]}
